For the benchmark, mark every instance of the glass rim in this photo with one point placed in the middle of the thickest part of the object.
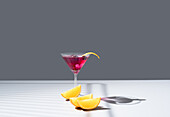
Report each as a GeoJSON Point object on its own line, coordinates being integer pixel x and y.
{"type": "Point", "coordinates": [79, 54]}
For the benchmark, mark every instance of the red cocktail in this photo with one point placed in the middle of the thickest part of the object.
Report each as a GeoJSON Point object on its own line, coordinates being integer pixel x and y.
{"type": "Point", "coordinates": [75, 61]}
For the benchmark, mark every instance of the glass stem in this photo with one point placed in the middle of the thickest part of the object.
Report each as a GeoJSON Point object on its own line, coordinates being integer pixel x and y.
{"type": "Point", "coordinates": [75, 80]}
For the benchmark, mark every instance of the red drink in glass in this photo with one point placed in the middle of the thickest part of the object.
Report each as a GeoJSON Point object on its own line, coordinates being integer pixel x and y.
{"type": "Point", "coordinates": [75, 62]}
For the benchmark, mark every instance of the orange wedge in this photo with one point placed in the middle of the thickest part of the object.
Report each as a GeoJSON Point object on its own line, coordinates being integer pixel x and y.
{"type": "Point", "coordinates": [89, 103]}
{"type": "Point", "coordinates": [91, 53]}
{"type": "Point", "coordinates": [72, 92]}
{"type": "Point", "coordinates": [74, 100]}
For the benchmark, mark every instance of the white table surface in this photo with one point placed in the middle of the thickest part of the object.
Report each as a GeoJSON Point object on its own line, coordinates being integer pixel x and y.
{"type": "Point", "coordinates": [43, 99]}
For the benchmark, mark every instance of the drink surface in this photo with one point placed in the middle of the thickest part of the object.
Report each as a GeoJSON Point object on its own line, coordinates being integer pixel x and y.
{"type": "Point", "coordinates": [75, 62]}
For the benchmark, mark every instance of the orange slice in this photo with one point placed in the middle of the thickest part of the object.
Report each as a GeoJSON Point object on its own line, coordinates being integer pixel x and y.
{"type": "Point", "coordinates": [72, 92]}
{"type": "Point", "coordinates": [91, 53]}
{"type": "Point", "coordinates": [89, 103]}
{"type": "Point", "coordinates": [74, 100]}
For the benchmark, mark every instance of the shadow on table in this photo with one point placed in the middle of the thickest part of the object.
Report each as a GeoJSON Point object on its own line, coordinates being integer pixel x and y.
{"type": "Point", "coordinates": [98, 108]}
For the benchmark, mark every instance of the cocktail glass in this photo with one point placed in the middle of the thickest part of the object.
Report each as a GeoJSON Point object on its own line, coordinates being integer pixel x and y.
{"type": "Point", "coordinates": [75, 61]}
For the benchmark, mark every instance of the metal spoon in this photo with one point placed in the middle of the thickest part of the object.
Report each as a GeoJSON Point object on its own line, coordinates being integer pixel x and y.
{"type": "Point", "coordinates": [122, 100]}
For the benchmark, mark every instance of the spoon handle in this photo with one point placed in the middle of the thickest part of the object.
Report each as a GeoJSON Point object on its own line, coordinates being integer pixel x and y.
{"type": "Point", "coordinates": [136, 99]}
{"type": "Point", "coordinates": [139, 99]}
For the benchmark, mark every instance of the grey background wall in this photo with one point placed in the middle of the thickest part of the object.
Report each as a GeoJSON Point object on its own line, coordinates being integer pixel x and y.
{"type": "Point", "coordinates": [132, 37]}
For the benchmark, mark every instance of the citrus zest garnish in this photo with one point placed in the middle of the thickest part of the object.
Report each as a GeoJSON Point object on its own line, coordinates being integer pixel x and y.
{"type": "Point", "coordinates": [75, 99]}
{"type": "Point", "coordinates": [91, 53]}
{"type": "Point", "coordinates": [72, 92]}
{"type": "Point", "coordinates": [89, 103]}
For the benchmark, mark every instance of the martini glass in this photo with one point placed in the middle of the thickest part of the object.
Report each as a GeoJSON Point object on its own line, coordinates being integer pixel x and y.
{"type": "Point", "coordinates": [75, 61]}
